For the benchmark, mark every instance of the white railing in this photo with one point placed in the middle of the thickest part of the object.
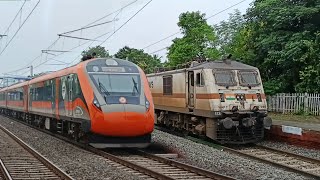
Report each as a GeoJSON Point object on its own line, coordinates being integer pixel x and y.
{"type": "Point", "coordinates": [294, 103]}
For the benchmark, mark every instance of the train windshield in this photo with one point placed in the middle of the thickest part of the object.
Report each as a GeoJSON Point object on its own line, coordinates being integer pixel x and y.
{"type": "Point", "coordinates": [118, 84]}
{"type": "Point", "coordinates": [248, 78]}
{"type": "Point", "coordinates": [224, 77]}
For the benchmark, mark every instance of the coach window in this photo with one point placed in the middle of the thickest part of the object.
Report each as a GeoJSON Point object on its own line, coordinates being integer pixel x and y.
{"type": "Point", "coordinates": [46, 91]}
{"type": "Point", "coordinates": [77, 87]}
{"type": "Point", "coordinates": [21, 94]}
{"type": "Point", "coordinates": [199, 79]}
{"type": "Point", "coordinates": [167, 85]}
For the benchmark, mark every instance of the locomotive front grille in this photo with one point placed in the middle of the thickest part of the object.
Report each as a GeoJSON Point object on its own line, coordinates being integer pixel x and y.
{"type": "Point", "coordinates": [240, 134]}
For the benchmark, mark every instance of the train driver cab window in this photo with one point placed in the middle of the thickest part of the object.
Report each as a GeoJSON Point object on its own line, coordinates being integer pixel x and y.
{"type": "Point", "coordinates": [248, 78]}
{"type": "Point", "coordinates": [167, 85]}
{"type": "Point", "coordinates": [199, 79]}
{"type": "Point", "coordinates": [224, 77]}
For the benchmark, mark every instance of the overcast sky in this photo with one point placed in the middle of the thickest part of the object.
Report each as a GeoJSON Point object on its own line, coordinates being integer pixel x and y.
{"type": "Point", "coordinates": [51, 17]}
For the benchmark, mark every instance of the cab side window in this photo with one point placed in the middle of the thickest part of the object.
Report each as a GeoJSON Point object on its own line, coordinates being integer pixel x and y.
{"type": "Point", "coordinates": [199, 79]}
{"type": "Point", "coordinates": [167, 85]}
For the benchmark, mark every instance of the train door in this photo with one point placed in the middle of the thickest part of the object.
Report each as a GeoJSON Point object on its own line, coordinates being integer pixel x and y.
{"type": "Point", "coordinates": [31, 97]}
{"type": "Point", "coordinates": [191, 92]}
{"type": "Point", "coordinates": [70, 95]}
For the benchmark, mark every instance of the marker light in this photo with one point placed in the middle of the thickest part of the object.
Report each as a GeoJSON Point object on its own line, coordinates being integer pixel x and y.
{"type": "Point", "coordinates": [122, 100]}
{"type": "Point", "coordinates": [96, 103]}
{"type": "Point", "coordinates": [147, 104]}
{"type": "Point", "coordinates": [111, 62]}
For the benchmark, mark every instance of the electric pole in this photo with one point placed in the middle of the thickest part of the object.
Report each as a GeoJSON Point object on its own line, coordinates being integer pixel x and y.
{"type": "Point", "coordinates": [31, 70]}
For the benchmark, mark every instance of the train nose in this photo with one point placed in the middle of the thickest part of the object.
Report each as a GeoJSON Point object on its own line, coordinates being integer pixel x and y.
{"type": "Point", "coordinates": [126, 120]}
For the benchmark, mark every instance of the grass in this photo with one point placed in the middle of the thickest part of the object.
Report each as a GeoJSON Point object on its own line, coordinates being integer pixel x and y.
{"type": "Point", "coordinates": [296, 118]}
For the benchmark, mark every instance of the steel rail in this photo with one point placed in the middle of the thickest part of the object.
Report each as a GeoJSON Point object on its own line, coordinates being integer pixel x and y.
{"type": "Point", "coordinates": [129, 164]}
{"type": "Point", "coordinates": [184, 166]}
{"type": "Point", "coordinates": [238, 152]}
{"type": "Point", "coordinates": [132, 165]}
{"type": "Point", "coordinates": [4, 171]}
{"type": "Point", "coordinates": [100, 153]}
{"type": "Point", "coordinates": [38, 156]}
{"type": "Point", "coordinates": [264, 158]}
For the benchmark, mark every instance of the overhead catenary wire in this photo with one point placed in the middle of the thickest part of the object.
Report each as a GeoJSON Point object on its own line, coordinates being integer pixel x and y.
{"type": "Point", "coordinates": [111, 13]}
{"type": "Point", "coordinates": [159, 50]}
{"type": "Point", "coordinates": [68, 50]}
{"type": "Point", "coordinates": [118, 10]}
{"type": "Point", "coordinates": [118, 28]}
{"type": "Point", "coordinates": [167, 37]}
{"type": "Point", "coordinates": [86, 27]}
{"type": "Point", "coordinates": [127, 21]}
{"type": "Point", "coordinates": [20, 27]}
{"type": "Point", "coordinates": [74, 37]}
{"type": "Point", "coordinates": [37, 57]}
{"type": "Point", "coordinates": [15, 17]}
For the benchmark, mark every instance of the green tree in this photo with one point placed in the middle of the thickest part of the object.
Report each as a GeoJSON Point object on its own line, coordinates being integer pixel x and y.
{"type": "Point", "coordinates": [233, 34]}
{"type": "Point", "coordinates": [198, 41]}
{"type": "Point", "coordinates": [284, 38]}
{"type": "Point", "coordinates": [139, 57]}
{"type": "Point", "coordinates": [228, 30]}
{"type": "Point", "coordinates": [99, 51]}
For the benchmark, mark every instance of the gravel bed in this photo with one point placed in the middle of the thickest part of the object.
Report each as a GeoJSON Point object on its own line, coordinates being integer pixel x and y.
{"type": "Point", "coordinates": [78, 163]}
{"type": "Point", "coordinates": [312, 153]}
{"type": "Point", "coordinates": [219, 161]}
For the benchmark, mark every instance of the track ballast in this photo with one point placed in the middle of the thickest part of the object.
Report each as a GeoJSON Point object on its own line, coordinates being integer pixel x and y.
{"type": "Point", "coordinates": [19, 161]}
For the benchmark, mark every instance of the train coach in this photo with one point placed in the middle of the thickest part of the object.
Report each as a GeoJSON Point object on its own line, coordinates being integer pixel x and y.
{"type": "Point", "coordinates": [221, 100]}
{"type": "Point", "coordinates": [105, 102]}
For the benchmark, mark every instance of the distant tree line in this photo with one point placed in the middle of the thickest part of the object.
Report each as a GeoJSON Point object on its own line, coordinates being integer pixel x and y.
{"type": "Point", "coordinates": [280, 37]}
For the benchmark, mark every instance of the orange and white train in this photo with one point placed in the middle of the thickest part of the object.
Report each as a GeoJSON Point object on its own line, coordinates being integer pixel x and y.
{"type": "Point", "coordinates": [104, 101]}
{"type": "Point", "coordinates": [221, 100]}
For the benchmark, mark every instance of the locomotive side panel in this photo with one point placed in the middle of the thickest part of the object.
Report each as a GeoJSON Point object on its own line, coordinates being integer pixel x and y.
{"type": "Point", "coordinates": [169, 91]}
{"type": "Point", "coordinates": [203, 89]}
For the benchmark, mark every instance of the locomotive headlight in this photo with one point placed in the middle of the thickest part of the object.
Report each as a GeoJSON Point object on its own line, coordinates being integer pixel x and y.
{"type": "Point", "coordinates": [222, 97]}
{"type": "Point", "coordinates": [147, 104]}
{"type": "Point", "coordinates": [96, 103]}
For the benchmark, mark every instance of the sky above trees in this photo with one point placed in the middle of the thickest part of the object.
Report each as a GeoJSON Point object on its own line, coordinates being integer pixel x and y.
{"type": "Point", "coordinates": [158, 20]}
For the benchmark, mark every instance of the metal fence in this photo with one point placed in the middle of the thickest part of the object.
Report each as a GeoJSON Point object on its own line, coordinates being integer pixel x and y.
{"type": "Point", "coordinates": [294, 103]}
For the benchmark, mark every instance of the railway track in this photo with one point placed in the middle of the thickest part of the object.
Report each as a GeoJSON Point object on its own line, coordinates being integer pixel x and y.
{"type": "Point", "coordinates": [145, 165]}
{"type": "Point", "coordinates": [290, 161]}
{"type": "Point", "coordinates": [20, 161]}
{"type": "Point", "coordinates": [293, 162]}
{"type": "Point", "coordinates": [168, 168]}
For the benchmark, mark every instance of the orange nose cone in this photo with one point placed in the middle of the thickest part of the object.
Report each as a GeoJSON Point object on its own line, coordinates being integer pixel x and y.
{"type": "Point", "coordinates": [123, 124]}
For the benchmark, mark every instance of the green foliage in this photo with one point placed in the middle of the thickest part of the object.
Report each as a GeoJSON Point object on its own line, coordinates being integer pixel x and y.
{"type": "Point", "coordinates": [284, 39]}
{"type": "Point", "coordinates": [138, 56]}
{"type": "Point", "coordinates": [100, 52]}
{"type": "Point", "coordinates": [198, 41]}
{"type": "Point", "coordinates": [233, 35]}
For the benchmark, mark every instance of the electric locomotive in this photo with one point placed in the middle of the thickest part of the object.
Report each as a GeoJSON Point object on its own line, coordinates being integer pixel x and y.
{"type": "Point", "coordinates": [221, 100]}
{"type": "Point", "coordinates": [105, 102]}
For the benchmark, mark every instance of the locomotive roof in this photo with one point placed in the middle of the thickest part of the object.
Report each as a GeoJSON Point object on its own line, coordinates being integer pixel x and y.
{"type": "Point", "coordinates": [218, 64]}
{"type": "Point", "coordinates": [222, 65]}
